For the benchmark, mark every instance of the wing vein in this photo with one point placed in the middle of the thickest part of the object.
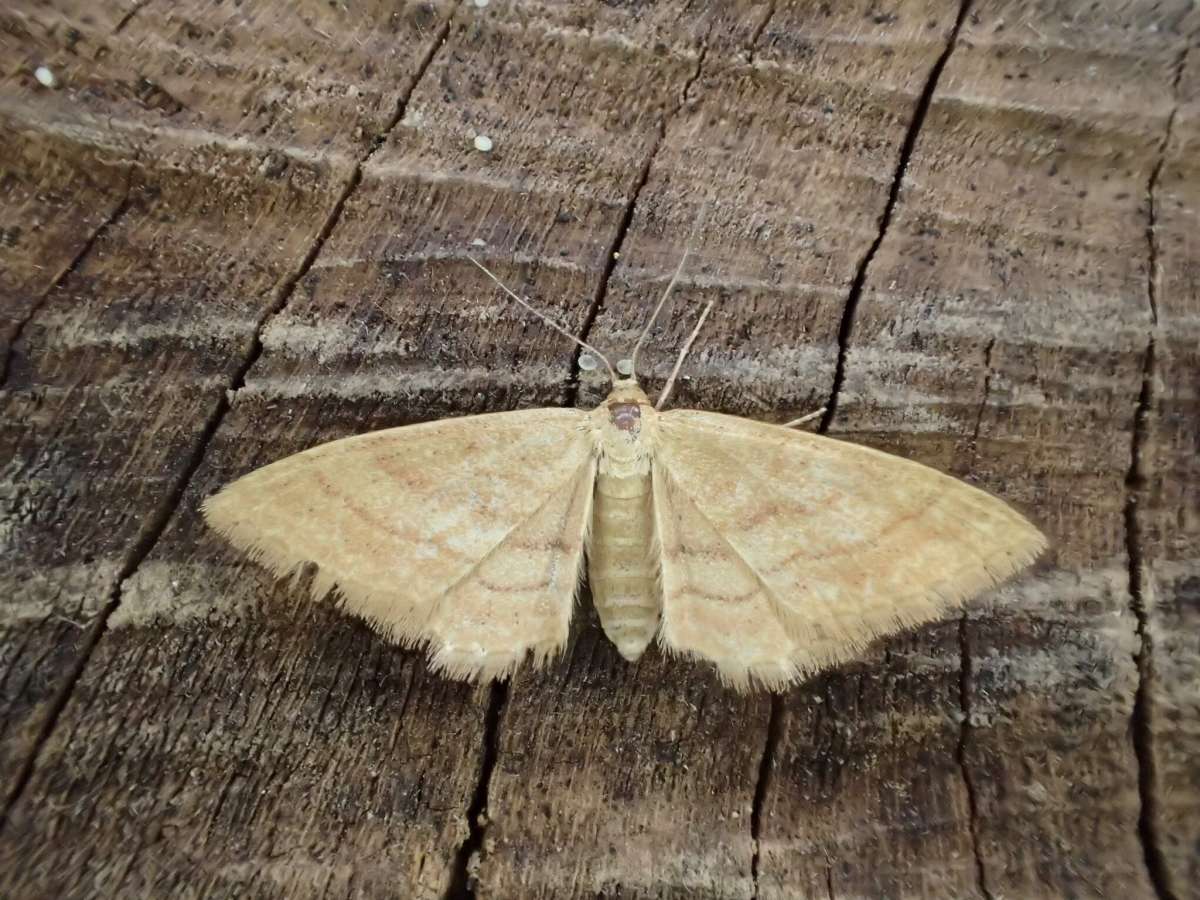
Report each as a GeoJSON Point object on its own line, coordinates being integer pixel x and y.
{"type": "Point", "coordinates": [569, 484]}
{"type": "Point", "coordinates": [767, 592]}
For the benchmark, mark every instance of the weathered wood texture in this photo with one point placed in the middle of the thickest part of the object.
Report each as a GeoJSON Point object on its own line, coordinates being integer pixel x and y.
{"type": "Point", "coordinates": [1165, 522]}
{"type": "Point", "coordinates": [236, 230]}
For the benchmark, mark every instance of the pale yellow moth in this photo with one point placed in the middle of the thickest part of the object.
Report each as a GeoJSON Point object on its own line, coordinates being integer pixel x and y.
{"type": "Point", "coordinates": [769, 552]}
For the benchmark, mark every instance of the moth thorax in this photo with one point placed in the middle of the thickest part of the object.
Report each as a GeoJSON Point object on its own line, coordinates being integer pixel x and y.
{"type": "Point", "coordinates": [625, 416]}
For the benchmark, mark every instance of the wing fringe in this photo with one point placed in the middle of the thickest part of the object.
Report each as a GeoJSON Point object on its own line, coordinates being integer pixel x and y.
{"type": "Point", "coordinates": [933, 604]}
{"type": "Point", "coordinates": [402, 624]}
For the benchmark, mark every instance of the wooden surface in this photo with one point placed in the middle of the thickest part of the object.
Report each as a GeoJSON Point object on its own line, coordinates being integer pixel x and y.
{"type": "Point", "coordinates": [233, 231]}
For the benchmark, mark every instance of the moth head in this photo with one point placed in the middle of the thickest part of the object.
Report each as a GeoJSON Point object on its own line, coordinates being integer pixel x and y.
{"type": "Point", "coordinates": [627, 390]}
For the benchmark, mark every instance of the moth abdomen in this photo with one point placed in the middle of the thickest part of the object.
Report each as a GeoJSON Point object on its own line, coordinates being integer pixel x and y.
{"type": "Point", "coordinates": [621, 567]}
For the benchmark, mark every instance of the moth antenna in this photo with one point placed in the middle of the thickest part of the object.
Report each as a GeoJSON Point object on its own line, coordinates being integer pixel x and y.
{"type": "Point", "coordinates": [654, 315]}
{"type": "Point", "coordinates": [687, 345]}
{"type": "Point", "coordinates": [815, 414]}
{"type": "Point", "coordinates": [687, 249]}
{"type": "Point", "coordinates": [545, 318]}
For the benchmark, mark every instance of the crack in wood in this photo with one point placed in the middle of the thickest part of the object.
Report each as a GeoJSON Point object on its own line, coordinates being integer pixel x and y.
{"type": "Point", "coordinates": [845, 329]}
{"type": "Point", "coordinates": [770, 748]}
{"type": "Point", "coordinates": [157, 522]}
{"type": "Point", "coordinates": [128, 17]}
{"type": "Point", "coordinates": [1135, 482]}
{"type": "Point", "coordinates": [618, 242]}
{"type": "Point", "coordinates": [1152, 188]}
{"type": "Point", "coordinates": [960, 753]}
{"type": "Point", "coordinates": [1140, 718]}
{"type": "Point", "coordinates": [57, 702]}
{"type": "Point", "coordinates": [462, 882]}
{"type": "Point", "coordinates": [70, 269]}
{"type": "Point", "coordinates": [966, 667]}
{"type": "Point", "coordinates": [986, 392]}
{"type": "Point", "coordinates": [758, 32]}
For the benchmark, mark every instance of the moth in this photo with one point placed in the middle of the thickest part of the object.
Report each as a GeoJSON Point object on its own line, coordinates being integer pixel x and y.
{"type": "Point", "coordinates": [769, 552]}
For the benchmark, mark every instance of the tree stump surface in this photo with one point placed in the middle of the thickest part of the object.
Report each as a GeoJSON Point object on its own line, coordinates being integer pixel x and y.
{"type": "Point", "coordinates": [232, 231]}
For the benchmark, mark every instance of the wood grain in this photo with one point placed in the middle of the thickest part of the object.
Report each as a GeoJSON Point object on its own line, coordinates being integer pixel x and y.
{"type": "Point", "coordinates": [1166, 513]}
{"type": "Point", "coordinates": [1022, 185]}
{"type": "Point", "coordinates": [274, 198]}
{"type": "Point", "coordinates": [114, 383]}
{"type": "Point", "coordinates": [97, 450]}
{"type": "Point", "coordinates": [58, 199]}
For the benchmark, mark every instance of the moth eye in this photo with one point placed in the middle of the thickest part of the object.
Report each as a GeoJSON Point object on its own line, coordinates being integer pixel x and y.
{"type": "Point", "coordinates": [625, 415]}
{"type": "Point", "coordinates": [625, 366]}
{"type": "Point", "coordinates": [587, 362]}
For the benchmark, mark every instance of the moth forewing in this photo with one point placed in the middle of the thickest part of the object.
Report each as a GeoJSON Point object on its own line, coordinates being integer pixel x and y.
{"type": "Point", "coordinates": [518, 599]}
{"type": "Point", "coordinates": [419, 529]}
{"type": "Point", "coordinates": [847, 543]}
{"type": "Point", "coordinates": [714, 606]}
